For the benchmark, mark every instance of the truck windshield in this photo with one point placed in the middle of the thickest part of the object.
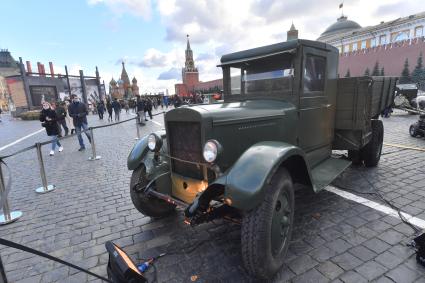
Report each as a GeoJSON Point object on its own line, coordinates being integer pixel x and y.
{"type": "Point", "coordinates": [265, 77]}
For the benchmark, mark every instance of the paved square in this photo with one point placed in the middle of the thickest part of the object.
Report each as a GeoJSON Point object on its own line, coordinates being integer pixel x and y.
{"type": "Point", "coordinates": [334, 239]}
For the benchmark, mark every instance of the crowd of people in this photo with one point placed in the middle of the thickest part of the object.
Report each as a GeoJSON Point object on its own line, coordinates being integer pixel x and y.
{"type": "Point", "coordinates": [70, 116]}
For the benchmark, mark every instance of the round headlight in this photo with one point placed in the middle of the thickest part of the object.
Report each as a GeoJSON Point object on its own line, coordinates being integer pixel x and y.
{"type": "Point", "coordinates": [211, 150]}
{"type": "Point", "coordinates": [154, 142]}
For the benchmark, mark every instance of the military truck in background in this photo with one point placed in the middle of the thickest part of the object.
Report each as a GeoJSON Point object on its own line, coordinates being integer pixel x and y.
{"type": "Point", "coordinates": [284, 111]}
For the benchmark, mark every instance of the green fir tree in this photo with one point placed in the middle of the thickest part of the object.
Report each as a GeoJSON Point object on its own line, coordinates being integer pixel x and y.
{"type": "Point", "coordinates": [367, 72]}
{"type": "Point", "coordinates": [347, 75]}
{"type": "Point", "coordinates": [375, 71]}
{"type": "Point", "coordinates": [405, 74]}
{"type": "Point", "coordinates": [382, 72]}
{"type": "Point", "coordinates": [418, 74]}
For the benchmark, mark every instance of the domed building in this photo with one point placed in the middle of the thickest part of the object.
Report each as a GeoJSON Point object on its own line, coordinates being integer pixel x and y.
{"type": "Point", "coordinates": [348, 36]}
{"type": "Point", "coordinates": [123, 89]}
{"type": "Point", "coordinates": [386, 45]}
{"type": "Point", "coordinates": [342, 25]}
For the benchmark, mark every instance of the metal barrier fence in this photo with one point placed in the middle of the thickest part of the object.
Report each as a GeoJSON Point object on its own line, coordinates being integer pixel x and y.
{"type": "Point", "coordinates": [11, 216]}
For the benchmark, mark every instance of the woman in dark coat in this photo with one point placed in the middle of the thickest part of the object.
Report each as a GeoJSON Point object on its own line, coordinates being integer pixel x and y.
{"type": "Point", "coordinates": [49, 121]}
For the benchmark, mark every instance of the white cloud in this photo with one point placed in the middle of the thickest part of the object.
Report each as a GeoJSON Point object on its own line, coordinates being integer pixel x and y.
{"type": "Point", "coordinates": [217, 27]}
{"type": "Point", "coordinates": [154, 58]}
{"type": "Point", "coordinates": [173, 73]}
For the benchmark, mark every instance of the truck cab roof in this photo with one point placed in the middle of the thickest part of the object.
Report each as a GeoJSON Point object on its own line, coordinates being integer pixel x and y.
{"type": "Point", "coordinates": [273, 49]}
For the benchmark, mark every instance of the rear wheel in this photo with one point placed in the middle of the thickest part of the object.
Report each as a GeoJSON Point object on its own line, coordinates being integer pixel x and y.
{"type": "Point", "coordinates": [371, 153]}
{"type": "Point", "coordinates": [266, 230]}
{"type": "Point", "coordinates": [413, 131]}
{"type": "Point", "coordinates": [150, 206]}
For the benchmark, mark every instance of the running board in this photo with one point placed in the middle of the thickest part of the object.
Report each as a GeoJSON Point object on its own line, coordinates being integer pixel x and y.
{"type": "Point", "coordinates": [326, 171]}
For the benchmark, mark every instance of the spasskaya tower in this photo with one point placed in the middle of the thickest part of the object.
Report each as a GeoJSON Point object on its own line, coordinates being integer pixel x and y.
{"type": "Point", "coordinates": [190, 74]}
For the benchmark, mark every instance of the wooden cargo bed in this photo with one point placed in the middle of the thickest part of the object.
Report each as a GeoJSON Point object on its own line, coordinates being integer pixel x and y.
{"type": "Point", "coordinates": [360, 99]}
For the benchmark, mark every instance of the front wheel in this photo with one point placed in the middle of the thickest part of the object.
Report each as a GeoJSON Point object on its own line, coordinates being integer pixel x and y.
{"type": "Point", "coordinates": [150, 206]}
{"type": "Point", "coordinates": [266, 230]}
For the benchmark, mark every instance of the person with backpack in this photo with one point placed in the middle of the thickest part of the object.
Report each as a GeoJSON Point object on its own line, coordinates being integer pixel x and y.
{"type": "Point", "coordinates": [49, 121]}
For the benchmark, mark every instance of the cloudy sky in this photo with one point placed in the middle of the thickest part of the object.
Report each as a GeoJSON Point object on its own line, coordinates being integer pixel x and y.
{"type": "Point", "coordinates": [150, 35]}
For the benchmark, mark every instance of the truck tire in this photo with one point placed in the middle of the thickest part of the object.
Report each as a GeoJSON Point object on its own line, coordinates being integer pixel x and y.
{"type": "Point", "coordinates": [266, 230]}
{"type": "Point", "coordinates": [149, 206]}
{"type": "Point", "coordinates": [371, 153]}
{"type": "Point", "coordinates": [355, 157]}
{"type": "Point", "coordinates": [413, 130]}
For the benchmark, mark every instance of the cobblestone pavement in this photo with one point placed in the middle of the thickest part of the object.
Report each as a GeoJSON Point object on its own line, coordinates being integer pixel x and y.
{"type": "Point", "coordinates": [16, 129]}
{"type": "Point", "coordinates": [334, 239]}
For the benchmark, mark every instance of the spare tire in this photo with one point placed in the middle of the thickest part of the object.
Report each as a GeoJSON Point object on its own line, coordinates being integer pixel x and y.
{"type": "Point", "coordinates": [371, 153]}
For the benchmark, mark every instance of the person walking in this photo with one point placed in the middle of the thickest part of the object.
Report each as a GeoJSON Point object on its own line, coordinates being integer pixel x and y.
{"type": "Point", "coordinates": [0, 113]}
{"type": "Point", "coordinates": [140, 109]}
{"type": "Point", "coordinates": [126, 106]}
{"type": "Point", "coordinates": [78, 111]}
{"type": "Point", "coordinates": [49, 121]}
{"type": "Point", "coordinates": [68, 118]}
{"type": "Point", "coordinates": [148, 108]}
{"type": "Point", "coordinates": [100, 109]}
{"type": "Point", "coordinates": [61, 115]}
{"type": "Point", "coordinates": [109, 108]}
{"type": "Point", "coordinates": [165, 98]}
{"type": "Point", "coordinates": [117, 109]}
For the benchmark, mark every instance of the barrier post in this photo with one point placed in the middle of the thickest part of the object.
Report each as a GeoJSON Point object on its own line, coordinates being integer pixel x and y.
{"type": "Point", "coordinates": [137, 126]}
{"type": "Point", "coordinates": [93, 148]}
{"type": "Point", "coordinates": [7, 216]}
{"type": "Point", "coordinates": [46, 187]}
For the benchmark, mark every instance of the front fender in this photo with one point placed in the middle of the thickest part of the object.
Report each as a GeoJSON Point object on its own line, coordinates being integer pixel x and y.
{"type": "Point", "coordinates": [246, 180]}
{"type": "Point", "coordinates": [140, 151]}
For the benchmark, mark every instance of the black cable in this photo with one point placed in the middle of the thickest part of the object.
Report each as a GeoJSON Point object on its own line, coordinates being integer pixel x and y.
{"type": "Point", "coordinates": [183, 250]}
{"type": "Point", "coordinates": [42, 254]}
{"type": "Point", "coordinates": [381, 197]}
{"type": "Point", "coordinates": [392, 206]}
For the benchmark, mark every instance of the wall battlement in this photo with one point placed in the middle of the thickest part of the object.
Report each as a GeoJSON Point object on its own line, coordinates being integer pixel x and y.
{"type": "Point", "coordinates": [390, 56]}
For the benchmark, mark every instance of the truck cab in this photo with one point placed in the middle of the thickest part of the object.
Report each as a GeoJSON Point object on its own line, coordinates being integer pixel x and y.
{"type": "Point", "coordinates": [299, 72]}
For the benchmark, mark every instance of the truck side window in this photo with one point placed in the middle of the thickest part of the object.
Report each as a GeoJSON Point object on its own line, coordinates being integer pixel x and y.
{"type": "Point", "coordinates": [314, 73]}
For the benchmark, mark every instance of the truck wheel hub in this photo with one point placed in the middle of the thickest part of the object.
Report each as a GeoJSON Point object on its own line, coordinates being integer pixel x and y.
{"type": "Point", "coordinates": [280, 223]}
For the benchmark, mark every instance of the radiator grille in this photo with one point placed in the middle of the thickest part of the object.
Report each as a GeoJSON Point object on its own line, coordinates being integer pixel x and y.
{"type": "Point", "coordinates": [185, 143]}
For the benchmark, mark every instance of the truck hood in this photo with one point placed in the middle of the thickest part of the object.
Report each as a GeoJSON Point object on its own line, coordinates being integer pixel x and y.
{"type": "Point", "coordinates": [234, 112]}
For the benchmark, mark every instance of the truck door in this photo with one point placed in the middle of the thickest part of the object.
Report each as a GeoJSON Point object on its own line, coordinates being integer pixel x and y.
{"type": "Point", "coordinates": [315, 129]}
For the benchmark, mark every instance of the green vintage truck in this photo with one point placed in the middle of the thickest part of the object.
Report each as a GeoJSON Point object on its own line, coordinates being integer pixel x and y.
{"type": "Point", "coordinates": [285, 110]}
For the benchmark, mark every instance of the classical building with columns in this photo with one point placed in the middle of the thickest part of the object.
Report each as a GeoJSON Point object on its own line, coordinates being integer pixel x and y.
{"type": "Point", "coordinates": [388, 43]}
